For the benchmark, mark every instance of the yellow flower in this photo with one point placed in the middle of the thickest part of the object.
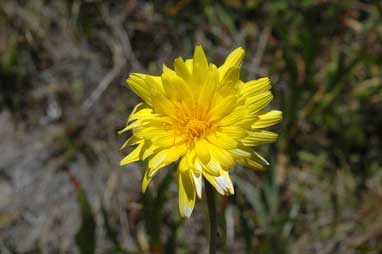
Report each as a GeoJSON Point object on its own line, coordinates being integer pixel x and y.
{"type": "Point", "coordinates": [204, 116]}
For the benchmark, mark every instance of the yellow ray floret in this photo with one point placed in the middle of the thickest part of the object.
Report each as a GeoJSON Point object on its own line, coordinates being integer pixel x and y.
{"type": "Point", "coordinates": [205, 117]}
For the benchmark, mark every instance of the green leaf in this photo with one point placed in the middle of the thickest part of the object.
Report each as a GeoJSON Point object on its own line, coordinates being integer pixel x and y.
{"type": "Point", "coordinates": [85, 237]}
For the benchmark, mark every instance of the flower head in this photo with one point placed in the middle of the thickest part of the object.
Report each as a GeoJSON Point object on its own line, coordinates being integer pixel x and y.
{"type": "Point", "coordinates": [203, 116]}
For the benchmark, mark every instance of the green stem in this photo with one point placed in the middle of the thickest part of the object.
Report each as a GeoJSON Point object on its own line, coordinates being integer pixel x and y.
{"type": "Point", "coordinates": [210, 193]}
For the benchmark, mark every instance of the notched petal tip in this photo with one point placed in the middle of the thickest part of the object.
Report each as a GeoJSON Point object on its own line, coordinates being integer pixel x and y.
{"type": "Point", "coordinates": [233, 60]}
{"type": "Point", "coordinates": [198, 47]}
{"type": "Point", "coordinates": [224, 181]}
{"type": "Point", "coordinates": [239, 52]}
{"type": "Point", "coordinates": [236, 56]}
{"type": "Point", "coordinates": [280, 113]}
{"type": "Point", "coordinates": [267, 119]}
{"type": "Point", "coordinates": [132, 76]}
{"type": "Point", "coordinates": [199, 51]}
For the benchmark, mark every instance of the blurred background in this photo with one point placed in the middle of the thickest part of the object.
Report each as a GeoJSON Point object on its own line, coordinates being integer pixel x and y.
{"type": "Point", "coordinates": [63, 66]}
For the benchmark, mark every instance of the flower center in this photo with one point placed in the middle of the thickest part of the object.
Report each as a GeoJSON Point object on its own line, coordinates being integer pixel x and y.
{"type": "Point", "coordinates": [196, 128]}
{"type": "Point", "coordinates": [192, 122]}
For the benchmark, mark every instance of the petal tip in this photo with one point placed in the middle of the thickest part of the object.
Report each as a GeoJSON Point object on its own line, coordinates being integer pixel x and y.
{"type": "Point", "coordinates": [187, 211]}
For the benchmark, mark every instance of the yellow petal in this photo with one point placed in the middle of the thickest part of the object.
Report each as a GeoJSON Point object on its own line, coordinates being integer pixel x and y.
{"type": "Point", "coordinates": [261, 158]}
{"type": "Point", "coordinates": [151, 132]}
{"type": "Point", "coordinates": [176, 88]}
{"type": "Point", "coordinates": [163, 106]}
{"type": "Point", "coordinates": [165, 157]}
{"type": "Point", "coordinates": [234, 59]}
{"type": "Point", "coordinates": [240, 152]}
{"type": "Point", "coordinates": [181, 69]}
{"type": "Point", "coordinates": [133, 155]}
{"type": "Point", "coordinates": [160, 160]}
{"type": "Point", "coordinates": [255, 161]}
{"type": "Point", "coordinates": [137, 108]}
{"type": "Point", "coordinates": [255, 138]}
{"type": "Point", "coordinates": [130, 141]}
{"type": "Point", "coordinates": [145, 86]}
{"type": "Point", "coordinates": [168, 139]}
{"type": "Point", "coordinates": [239, 114]}
{"type": "Point", "coordinates": [222, 140]}
{"type": "Point", "coordinates": [200, 65]}
{"type": "Point", "coordinates": [222, 108]}
{"type": "Point", "coordinates": [208, 89]}
{"type": "Point", "coordinates": [213, 167]}
{"type": "Point", "coordinates": [169, 86]}
{"type": "Point", "coordinates": [231, 76]}
{"type": "Point", "coordinates": [154, 84]}
{"type": "Point", "coordinates": [187, 164]}
{"type": "Point", "coordinates": [202, 150]}
{"type": "Point", "coordinates": [130, 126]}
{"type": "Point", "coordinates": [213, 157]}
{"type": "Point", "coordinates": [234, 131]}
{"type": "Point", "coordinates": [225, 182]}
{"type": "Point", "coordinates": [137, 83]}
{"type": "Point", "coordinates": [167, 70]}
{"type": "Point", "coordinates": [259, 101]}
{"type": "Point", "coordinates": [189, 64]}
{"type": "Point", "coordinates": [268, 119]}
{"type": "Point", "coordinates": [198, 182]}
{"type": "Point", "coordinates": [254, 87]}
{"type": "Point", "coordinates": [198, 164]}
{"type": "Point", "coordinates": [148, 149]}
{"type": "Point", "coordinates": [145, 181]}
{"type": "Point", "coordinates": [222, 182]}
{"type": "Point", "coordinates": [137, 117]}
{"type": "Point", "coordinates": [250, 163]}
{"type": "Point", "coordinates": [222, 156]}
{"type": "Point", "coordinates": [142, 114]}
{"type": "Point", "coordinates": [212, 180]}
{"type": "Point", "coordinates": [186, 193]}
